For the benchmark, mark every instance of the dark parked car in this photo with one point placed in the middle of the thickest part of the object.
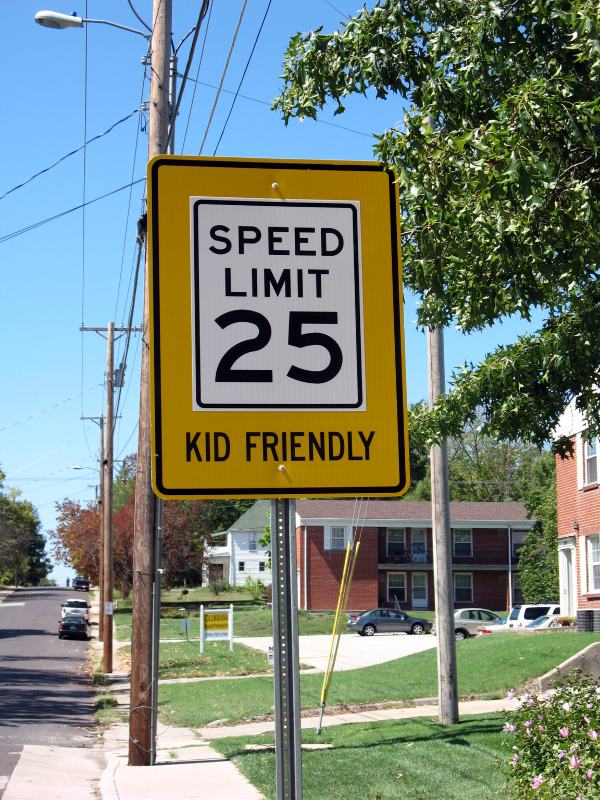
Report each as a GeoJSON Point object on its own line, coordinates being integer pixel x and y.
{"type": "Point", "coordinates": [81, 584]}
{"type": "Point", "coordinates": [72, 626]}
{"type": "Point", "coordinates": [386, 620]}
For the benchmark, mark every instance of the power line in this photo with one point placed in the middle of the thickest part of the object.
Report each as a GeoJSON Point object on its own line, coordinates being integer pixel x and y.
{"type": "Point", "coordinates": [133, 166]}
{"type": "Point", "coordinates": [68, 155]}
{"type": "Point", "coordinates": [229, 54]}
{"type": "Point", "coordinates": [148, 28]}
{"type": "Point", "coordinates": [196, 82]}
{"type": "Point", "coordinates": [35, 225]}
{"type": "Point", "coordinates": [267, 103]}
{"type": "Point", "coordinates": [235, 97]}
{"type": "Point", "coordinates": [49, 408]}
{"type": "Point", "coordinates": [83, 195]}
{"type": "Point", "coordinates": [175, 111]}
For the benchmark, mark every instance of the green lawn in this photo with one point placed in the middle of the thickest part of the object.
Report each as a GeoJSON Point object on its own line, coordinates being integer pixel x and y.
{"type": "Point", "coordinates": [401, 760]}
{"type": "Point", "coordinates": [203, 594]}
{"type": "Point", "coordinates": [183, 660]}
{"type": "Point", "coordinates": [487, 666]}
{"type": "Point", "coordinates": [246, 622]}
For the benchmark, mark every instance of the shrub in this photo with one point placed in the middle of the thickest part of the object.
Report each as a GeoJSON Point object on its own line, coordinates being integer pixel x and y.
{"type": "Point", "coordinates": [217, 587]}
{"type": "Point", "coordinates": [254, 588]}
{"type": "Point", "coordinates": [554, 739]}
{"type": "Point", "coordinates": [565, 622]}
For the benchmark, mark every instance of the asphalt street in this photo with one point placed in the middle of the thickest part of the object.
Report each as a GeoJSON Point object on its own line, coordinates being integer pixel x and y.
{"type": "Point", "coordinates": [45, 695]}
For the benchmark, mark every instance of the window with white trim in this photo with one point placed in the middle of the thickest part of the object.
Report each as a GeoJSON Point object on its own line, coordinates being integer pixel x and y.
{"type": "Point", "coordinates": [261, 566]}
{"type": "Point", "coordinates": [591, 461]}
{"type": "Point", "coordinates": [463, 542]}
{"type": "Point", "coordinates": [397, 586]}
{"type": "Point", "coordinates": [336, 537]}
{"type": "Point", "coordinates": [593, 543]}
{"type": "Point", "coordinates": [252, 542]}
{"type": "Point", "coordinates": [463, 587]}
{"type": "Point", "coordinates": [241, 566]}
{"type": "Point", "coordinates": [395, 541]}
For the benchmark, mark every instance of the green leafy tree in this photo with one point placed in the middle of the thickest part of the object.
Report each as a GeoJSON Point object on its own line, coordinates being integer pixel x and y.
{"type": "Point", "coordinates": [22, 545]}
{"type": "Point", "coordinates": [484, 469]}
{"type": "Point", "coordinates": [538, 557]}
{"type": "Point", "coordinates": [497, 162]}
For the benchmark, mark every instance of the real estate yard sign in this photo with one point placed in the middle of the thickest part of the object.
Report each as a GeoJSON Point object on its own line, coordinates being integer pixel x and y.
{"type": "Point", "coordinates": [216, 624]}
{"type": "Point", "coordinates": [276, 329]}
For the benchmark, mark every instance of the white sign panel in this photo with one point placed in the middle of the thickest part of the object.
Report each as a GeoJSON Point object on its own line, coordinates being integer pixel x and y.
{"type": "Point", "coordinates": [277, 312]}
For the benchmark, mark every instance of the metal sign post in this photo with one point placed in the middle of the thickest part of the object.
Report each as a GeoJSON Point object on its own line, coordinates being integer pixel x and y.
{"type": "Point", "coordinates": [288, 757]}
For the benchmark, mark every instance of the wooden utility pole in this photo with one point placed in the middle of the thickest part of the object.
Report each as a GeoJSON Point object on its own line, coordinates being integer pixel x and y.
{"type": "Point", "coordinates": [140, 717]}
{"type": "Point", "coordinates": [100, 508]}
{"type": "Point", "coordinates": [442, 549]}
{"type": "Point", "coordinates": [101, 533]}
{"type": "Point", "coordinates": [107, 503]}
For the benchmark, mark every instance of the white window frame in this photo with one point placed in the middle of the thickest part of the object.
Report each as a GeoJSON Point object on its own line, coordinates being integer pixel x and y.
{"type": "Point", "coordinates": [396, 574]}
{"type": "Point", "coordinates": [588, 460]}
{"type": "Point", "coordinates": [593, 559]}
{"type": "Point", "coordinates": [241, 566]}
{"type": "Point", "coordinates": [468, 575]}
{"type": "Point", "coordinates": [462, 531]}
{"type": "Point", "coordinates": [397, 531]}
{"type": "Point", "coordinates": [328, 537]}
{"type": "Point", "coordinates": [262, 566]}
{"type": "Point", "coordinates": [252, 542]}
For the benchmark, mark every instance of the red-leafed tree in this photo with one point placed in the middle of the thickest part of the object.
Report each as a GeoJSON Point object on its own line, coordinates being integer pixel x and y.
{"type": "Point", "coordinates": [186, 531]}
{"type": "Point", "coordinates": [76, 539]}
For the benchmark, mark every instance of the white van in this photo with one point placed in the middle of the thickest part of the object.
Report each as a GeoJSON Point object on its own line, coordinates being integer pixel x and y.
{"type": "Point", "coordinates": [523, 613]}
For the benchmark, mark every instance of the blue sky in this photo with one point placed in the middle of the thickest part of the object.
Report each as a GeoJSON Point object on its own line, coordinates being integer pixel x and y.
{"type": "Point", "coordinates": [78, 268]}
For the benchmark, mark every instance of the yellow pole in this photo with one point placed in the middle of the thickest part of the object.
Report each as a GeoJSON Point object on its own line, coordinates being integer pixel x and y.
{"type": "Point", "coordinates": [335, 622]}
{"type": "Point", "coordinates": [344, 607]}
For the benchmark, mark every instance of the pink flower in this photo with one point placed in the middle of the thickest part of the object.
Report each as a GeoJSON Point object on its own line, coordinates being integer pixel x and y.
{"type": "Point", "coordinates": [561, 754]}
{"type": "Point", "coordinates": [589, 774]}
{"type": "Point", "coordinates": [509, 728]}
{"type": "Point", "coordinates": [537, 782]}
{"type": "Point", "coordinates": [515, 760]}
{"type": "Point", "coordinates": [566, 706]}
{"type": "Point", "coordinates": [528, 723]}
{"type": "Point", "coordinates": [564, 732]}
{"type": "Point", "coordinates": [593, 734]}
{"type": "Point", "coordinates": [575, 762]}
{"type": "Point", "coordinates": [541, 728]}
{"type": "Point", "coordinates": [510, 695]}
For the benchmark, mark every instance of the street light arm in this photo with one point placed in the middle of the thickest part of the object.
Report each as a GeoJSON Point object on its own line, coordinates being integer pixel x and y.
{"type": "Point", "coordinates": [60, 21]}
{"type": "Point", "coordinates": [117, 25]}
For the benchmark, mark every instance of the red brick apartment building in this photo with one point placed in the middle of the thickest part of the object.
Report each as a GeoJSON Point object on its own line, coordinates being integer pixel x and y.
{"type": "Point", "coordinates": [578, 505]}
{"type": "Point", "coordinates": [395, 557]}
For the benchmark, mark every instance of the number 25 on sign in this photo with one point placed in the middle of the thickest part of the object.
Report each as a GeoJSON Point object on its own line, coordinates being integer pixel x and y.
{"type": "Point", "coordinates": [276, 329]}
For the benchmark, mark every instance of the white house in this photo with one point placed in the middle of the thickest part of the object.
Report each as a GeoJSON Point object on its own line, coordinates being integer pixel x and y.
{"type": "Point", "coordinates": [241, 556]}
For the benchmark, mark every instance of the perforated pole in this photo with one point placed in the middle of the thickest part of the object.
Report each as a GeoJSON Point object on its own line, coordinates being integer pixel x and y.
{"type": "Point", "coordinates": [288, 765]}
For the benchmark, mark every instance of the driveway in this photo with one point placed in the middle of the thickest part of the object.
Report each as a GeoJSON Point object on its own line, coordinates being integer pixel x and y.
{"type": "Point", "coordinates": [354, 652]}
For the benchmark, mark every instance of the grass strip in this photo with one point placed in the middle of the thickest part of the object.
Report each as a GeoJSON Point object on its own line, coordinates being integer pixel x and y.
{"type": "Point", "coordinates": [183, 660]}
{"type": "Point", "coordinates": [397, 760]}
{"type": "Point", "coordinates": [487, 666]}
{"type": "Point", "coordinates": [246, 622]}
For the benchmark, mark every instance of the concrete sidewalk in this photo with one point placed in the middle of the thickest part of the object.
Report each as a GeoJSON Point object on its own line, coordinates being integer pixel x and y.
{"type": "Point", "coordinates": [185, 761]}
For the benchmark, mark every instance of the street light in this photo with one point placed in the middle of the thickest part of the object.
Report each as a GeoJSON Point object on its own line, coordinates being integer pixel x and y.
{"type": "Point", "coordinates": [57, 20]}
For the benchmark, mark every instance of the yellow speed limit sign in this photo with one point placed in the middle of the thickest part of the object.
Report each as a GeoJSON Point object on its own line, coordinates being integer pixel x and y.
{"type": "Point", "coordinates": [277, 356]}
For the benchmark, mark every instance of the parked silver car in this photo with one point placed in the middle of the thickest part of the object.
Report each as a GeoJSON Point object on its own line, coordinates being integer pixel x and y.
{"type": "Point", "coordinates": [468, 621]}
{"type": "Point", "coordinates": [387, 620]}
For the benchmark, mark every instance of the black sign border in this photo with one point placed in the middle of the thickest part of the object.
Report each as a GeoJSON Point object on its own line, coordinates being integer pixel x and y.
{"type": "Point", "coordinates": [357, 307]}
{"type": "Point", "coordinates": [303, 491]}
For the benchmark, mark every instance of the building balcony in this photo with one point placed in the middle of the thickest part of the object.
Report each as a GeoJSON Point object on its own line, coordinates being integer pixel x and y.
{"type": "Point", "coordinates": [417, 555]}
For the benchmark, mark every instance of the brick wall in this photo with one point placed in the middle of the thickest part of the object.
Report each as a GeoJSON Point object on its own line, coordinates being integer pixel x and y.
{"type": "Point", "coordinates": [324, 572]}
{"type": "Point", "coordinates": [577, 505]}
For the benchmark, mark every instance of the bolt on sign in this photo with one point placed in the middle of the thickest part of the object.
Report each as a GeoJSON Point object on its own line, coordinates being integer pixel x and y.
{"type": "Point", "coordinates": [277, 353]}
